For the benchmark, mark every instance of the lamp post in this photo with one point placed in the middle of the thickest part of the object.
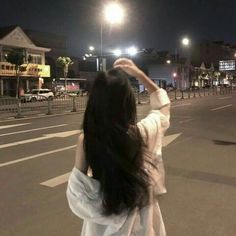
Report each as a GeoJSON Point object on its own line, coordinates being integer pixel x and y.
{"type": "Point", "coordinates": [185, 42]}
{"type": "Point", "coordinates": [113, 13]}
{"type": "Point", "coordinates": [174, 76]}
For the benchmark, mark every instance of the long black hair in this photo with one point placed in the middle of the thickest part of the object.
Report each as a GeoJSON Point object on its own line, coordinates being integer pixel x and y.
{"type": "Point", "coordinates": [113, 144]}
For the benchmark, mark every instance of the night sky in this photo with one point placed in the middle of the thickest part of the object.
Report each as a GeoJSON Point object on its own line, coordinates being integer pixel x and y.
{"type": "Point", "coordinates": [149, 23]}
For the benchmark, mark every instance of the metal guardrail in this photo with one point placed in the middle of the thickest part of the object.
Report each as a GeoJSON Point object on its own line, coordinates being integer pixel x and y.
{"type": "Point", "coordinates": [18, 108]}
{"type": "Point", "coordinates": [193, 93]}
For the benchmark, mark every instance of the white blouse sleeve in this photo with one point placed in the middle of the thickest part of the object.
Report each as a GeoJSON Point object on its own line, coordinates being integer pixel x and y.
{"type": "Point", "coordinates": [85, 200]}
{"type": "Point", "coordinates": [153, 127]}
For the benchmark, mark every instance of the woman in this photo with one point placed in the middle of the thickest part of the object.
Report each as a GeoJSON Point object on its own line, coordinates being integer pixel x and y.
{"type": "Point", "coordinates": [123, 158]}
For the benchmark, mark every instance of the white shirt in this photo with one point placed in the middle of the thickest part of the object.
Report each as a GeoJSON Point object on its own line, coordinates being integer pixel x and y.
{"type": "Point", "coordinates": [83, 192]}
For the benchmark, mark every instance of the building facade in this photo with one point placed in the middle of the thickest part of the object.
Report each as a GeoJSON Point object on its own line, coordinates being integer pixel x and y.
{"type": "Point", "coordinates": [34, 73]}
{"type": "Point", "coordinates": [207, 59]}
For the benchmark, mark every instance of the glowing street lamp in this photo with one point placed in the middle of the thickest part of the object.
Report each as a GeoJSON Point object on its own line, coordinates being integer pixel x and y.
{"type": "Point", "coordinates": [114, 13]}
{"type": "Point", "coordinates": [185, 41]}
{"type": "Point", "coordinates": [174, 74]}
{"type": "Point", "coordinates": [132, 51]}
{"type": "Point", "coordinates": [168, 61]}
{"type": "Point", "coordinates": [117, 52]}
{"type": "Point", "coordinates": [91, 48]}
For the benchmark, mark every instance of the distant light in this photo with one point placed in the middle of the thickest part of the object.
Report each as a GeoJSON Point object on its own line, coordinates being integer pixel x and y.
{"type": "Point", "coordinates": [117, 52]}
{"type": "Point", "coordinates": [132, 51]}
{"type": "Point", "coordinates": [235, 55]}
{"type": "Point", "coordinates": [91, 48]}
{"type": "Point", "coordinates": [185, 41]}
{"type": "Point", "coordinates": [168, 61]}
{"type": "Point", "coordinates": [114, 13]}
{"type": "Point", "coordinates": [174, 75]}
{"type": "Point", "coordinates": [84, 58]}
{"type": "Point", "coordinates": [90, 55]}
{"type": "Point", "coordinates": [87, 55]}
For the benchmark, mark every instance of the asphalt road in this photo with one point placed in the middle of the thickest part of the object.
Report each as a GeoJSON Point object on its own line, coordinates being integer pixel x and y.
{"type": "Point", "coordinates": [37, 154]}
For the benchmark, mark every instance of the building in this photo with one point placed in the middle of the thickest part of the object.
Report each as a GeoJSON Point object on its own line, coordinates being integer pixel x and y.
{"type": "Point", "coordinates": [165, 69]}
{"type": "Point", "coordinates": [35, 72]}
{"type": "Point", "coordinates": [214, 63]}
{"type": "Point", "coordinates": [212, 53]}
{"type": "Point", "coordinates": [57, 44]}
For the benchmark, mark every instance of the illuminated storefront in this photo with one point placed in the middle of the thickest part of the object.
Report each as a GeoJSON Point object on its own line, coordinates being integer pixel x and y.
{"type": "Point", "coordinates": [12, 38]}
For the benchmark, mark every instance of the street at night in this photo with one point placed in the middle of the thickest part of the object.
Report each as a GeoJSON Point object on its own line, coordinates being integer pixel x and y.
{"type": "Point", "coordinates": [117, 118]}
{"type": "Point", "coordinates": [37, 155]}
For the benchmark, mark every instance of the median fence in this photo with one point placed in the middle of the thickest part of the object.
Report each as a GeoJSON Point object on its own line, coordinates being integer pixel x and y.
{"type": "Point", "coordinates": [11, 107]}
{"type": "Point", "coordinates": [201, 92]}
{"type": "Point", "coordinates": [18, 108]}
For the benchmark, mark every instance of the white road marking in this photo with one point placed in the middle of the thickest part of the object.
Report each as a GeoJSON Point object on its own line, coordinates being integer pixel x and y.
{"type": "Point", "coordinates": [56, 181]}
{"type": "Point", "coordinates": [182, 105]}
{"type": "Point", "coordinates": [12, 126]}
{"type": "Point", "coordinates": [41, 117]}
{"type": "Point", "coordinates": [64, 178]}
{"type": "Point", "coordinates": [224, 98]}
{"type": "Point", "coordinates": [186, 121]}
{"type": "Point", "coordinates": [30, 130]}
{"type": "Point", "coordinates": [44, 154]}
{"type": "Point", "coordinates": [219, 108]}
{"type": "Point", "coordinates": [46, 136]}
{"type": "Point", "coordinates": [169, 139]}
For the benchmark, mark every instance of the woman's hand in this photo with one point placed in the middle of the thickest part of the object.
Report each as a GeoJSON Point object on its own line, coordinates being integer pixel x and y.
{"type": "Point", "coordinates": [128, 66]}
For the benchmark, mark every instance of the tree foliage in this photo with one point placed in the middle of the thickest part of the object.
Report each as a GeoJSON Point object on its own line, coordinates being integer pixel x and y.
{"type": "Point", "coordinates": [64, 63]}
{"type": "Point", "coordinates": [17, 57]}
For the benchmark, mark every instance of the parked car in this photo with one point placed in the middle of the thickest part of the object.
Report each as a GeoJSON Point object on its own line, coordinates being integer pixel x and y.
{"type": "Point", "coordinates": [38, 95]}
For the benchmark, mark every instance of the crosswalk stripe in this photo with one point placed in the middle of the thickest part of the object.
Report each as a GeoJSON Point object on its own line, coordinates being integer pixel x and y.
{"type": "Point", "coordinates": [181, 105]}
{"type": "Point", "coordinates": [12, 126]}
{"type": "Point", "coordinates": [219, 108]}
{"type": "Point", "coordinates": [64, 178]}
{"type": "Point", "coordinates": [31, 130]}
{"type": "Point", "coordinates": [64, 134]}
{"type": "Point", "coordinates": [44, 154]}
{"type": "Point", "coordinates": [56, 181]}
{"type": "Point", "coordinates": [224, 98]}
{"type": "Point", "coordinates": [169, 139]}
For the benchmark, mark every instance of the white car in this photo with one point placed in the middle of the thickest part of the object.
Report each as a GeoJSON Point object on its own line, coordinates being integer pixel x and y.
{"type": "Point", "coordinates": [38, 95]}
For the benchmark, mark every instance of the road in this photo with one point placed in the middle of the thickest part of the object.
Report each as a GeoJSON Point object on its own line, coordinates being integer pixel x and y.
{"type": "Point", "coordinates": [37, 154]}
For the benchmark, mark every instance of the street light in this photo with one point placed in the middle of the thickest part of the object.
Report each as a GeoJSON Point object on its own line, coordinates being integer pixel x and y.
{"type": "Point", "coordinates": [113, 14]}
{"type": "Point", "coordinates": [117, 52]}
{"type": "Point", "coordinates": [185, 41]}
{"type": "Point", "coordinates": [132, 51]}
{"type": "Point", "coordinates": [168, 61]}
{"type": "Point", "coordinates": [91, 48]}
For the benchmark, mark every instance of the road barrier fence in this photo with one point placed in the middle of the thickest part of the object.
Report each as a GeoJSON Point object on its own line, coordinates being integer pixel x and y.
{"type": "Point", "coordinates": [12, 107]}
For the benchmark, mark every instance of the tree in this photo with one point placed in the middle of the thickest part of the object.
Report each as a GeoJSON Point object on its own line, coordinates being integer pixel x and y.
{"type": "Point", "coordinates": [17, 57]}
{"type": "Point", "coordinates": [64, 63]}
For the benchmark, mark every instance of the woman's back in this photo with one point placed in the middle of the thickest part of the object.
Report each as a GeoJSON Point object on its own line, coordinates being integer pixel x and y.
{"type": "Point", "coordinates": [127, 168]}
